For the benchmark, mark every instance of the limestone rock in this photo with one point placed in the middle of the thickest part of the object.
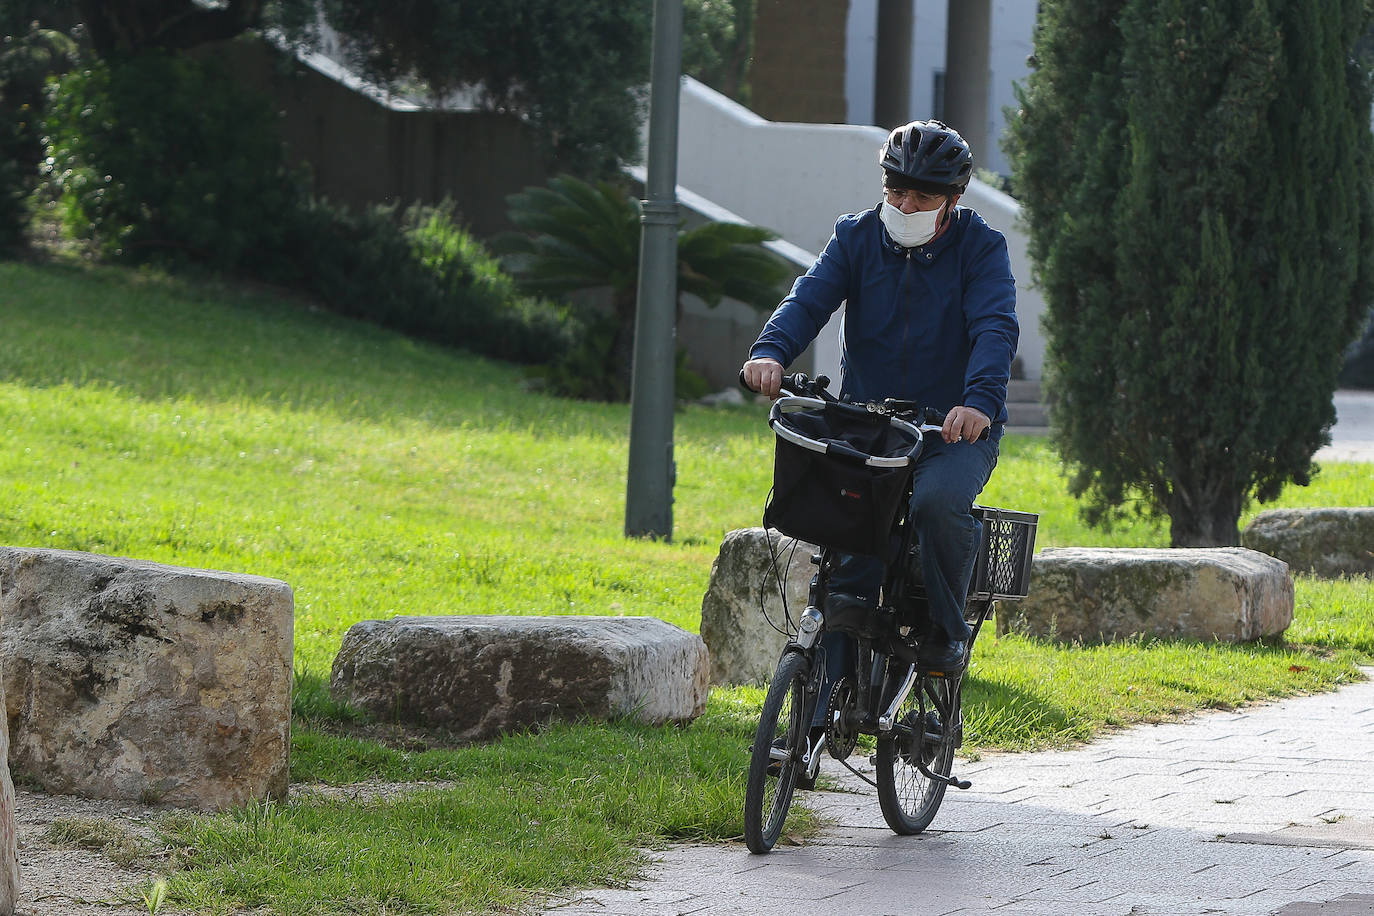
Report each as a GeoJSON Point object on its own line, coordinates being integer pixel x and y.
{"type": "Point", "coordinates": [1325, 542]}
{"type": "Point", "coordinates": [132, 680]}
{"type": "Point", "coordinates": [481, 676]}
{"type": "Point", "coordinates": [9, 849]}
{"type": "Point", "coordinates": [1225, 594]}
{"type": "Point", "coordinates": [741, 613]}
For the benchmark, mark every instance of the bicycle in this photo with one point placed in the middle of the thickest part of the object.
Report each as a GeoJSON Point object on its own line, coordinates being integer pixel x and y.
{"type": "Point", "coordinates": [842, 472]}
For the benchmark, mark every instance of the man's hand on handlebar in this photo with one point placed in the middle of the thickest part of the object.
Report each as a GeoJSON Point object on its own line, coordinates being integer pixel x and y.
{"type": "Point", "coordinates": [764, 376]}
{"type": "Point", "coordinates": [964, 423]}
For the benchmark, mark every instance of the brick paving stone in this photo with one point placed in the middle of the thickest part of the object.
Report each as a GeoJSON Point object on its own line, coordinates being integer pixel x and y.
{"type": "Point", "coordinates": [1346, 905]}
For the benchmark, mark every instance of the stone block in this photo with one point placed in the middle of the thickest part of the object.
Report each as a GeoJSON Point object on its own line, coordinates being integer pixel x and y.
{"type": "Point", "coordinates": [742, 614]}
{"type": "Point", "coordinates": [481, 676]}
{"type": "Point", "coordinates": [1325, 542]}
{"type": "Point", "coordinates": [9, 846]}
{"type": "Point", "coordinates": [1093, 595]}
{"type": "Point", "coordinates": [131, 680]}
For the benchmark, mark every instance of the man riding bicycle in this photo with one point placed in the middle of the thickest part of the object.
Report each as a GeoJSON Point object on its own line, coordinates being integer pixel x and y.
{"type": "Point", "coordinates": [930, 317]}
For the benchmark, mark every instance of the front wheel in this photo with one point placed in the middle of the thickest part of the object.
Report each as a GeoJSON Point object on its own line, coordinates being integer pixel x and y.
{"type": "Point", "coordinates": [779, 745]}
{"type": "Point", "coordinates": [909, 798]}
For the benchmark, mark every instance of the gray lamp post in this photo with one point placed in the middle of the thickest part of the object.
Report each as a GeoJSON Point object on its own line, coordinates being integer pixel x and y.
{"type": "Point", "coordinates": [649, 488]}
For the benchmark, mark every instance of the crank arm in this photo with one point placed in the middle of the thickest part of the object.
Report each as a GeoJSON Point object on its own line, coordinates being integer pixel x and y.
{"type": "Point", "coordinates": [951, 780]}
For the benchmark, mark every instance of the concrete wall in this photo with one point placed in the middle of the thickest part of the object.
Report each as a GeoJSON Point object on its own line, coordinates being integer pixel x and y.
{"type": "Point", "coordinates": [796, 179]}
{"type": "Point", "coordinates": [797, 72]}
{"type": "Point", "coordinates": [364, 147]}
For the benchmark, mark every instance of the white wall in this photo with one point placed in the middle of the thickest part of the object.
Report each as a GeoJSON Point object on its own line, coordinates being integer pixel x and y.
{"type": "Point", "coordinates": [796, 179]}
{"type": "Point", "coordinates": [860, 51]}
{"type": "Point", "coordinates": [930, 23]}
{"type": "Point", "coordinates": [1012, 26]}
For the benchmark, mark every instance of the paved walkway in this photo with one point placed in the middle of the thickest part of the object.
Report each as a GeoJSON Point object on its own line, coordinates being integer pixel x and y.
{"type": "Point", "coordinates": [1352, 438]}
{"type": "Point", "coordinates": [1265, 810]}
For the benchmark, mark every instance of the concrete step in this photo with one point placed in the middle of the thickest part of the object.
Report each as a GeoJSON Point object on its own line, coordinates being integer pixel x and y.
{"type": "Point", "coordinates": [1022, 413]}
{"type": "Point", "coordinates": [1026, 412]}
{"type": "Point", "coordinates": [1022, 390]}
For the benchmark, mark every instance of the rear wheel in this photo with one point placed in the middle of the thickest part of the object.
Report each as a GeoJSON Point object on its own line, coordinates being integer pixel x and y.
{"type": "Point", "coordinates": [909, 798]}
{"type": "Point", "coordinates": [779, 745]}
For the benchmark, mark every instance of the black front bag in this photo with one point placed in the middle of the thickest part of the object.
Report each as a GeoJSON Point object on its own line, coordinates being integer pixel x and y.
{"type": "Point", "coordinates": [831, 498]}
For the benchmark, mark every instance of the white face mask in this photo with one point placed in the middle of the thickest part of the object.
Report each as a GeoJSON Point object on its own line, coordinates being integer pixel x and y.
{"type": "Point", "coordinates": [910, 229]}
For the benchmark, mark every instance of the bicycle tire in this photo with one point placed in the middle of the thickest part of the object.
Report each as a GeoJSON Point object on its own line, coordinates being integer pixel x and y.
{"type": "Point", "coordinates": [784, 719]}
{"type": "Point", "coordinates": [909, 799]}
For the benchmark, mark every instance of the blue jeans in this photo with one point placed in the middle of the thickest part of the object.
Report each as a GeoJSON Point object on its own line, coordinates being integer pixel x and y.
{"type": "Point", "coordinates": [948, 478]}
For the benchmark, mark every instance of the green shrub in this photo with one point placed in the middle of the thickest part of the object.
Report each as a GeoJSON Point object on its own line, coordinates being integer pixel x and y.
{"type": "Point", "coordinates": [481, 300]}
{"type": "Point", "coordinates": [160, 156]}
{"type": "Point", "coordinates": [14, 213]}
{"type": "Point", "coordinates": [421, 273]}
{"type": "Point", "coordinates": [580, 236]}
{"type": "Point", "coordinates": [28, 55]}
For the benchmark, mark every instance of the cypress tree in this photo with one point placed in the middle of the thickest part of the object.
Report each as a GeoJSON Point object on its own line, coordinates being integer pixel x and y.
{"type": "Point", "coordinates": [1196, 178]}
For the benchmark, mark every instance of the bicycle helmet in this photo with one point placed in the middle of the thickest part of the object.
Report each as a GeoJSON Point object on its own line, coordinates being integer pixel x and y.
{"type": "Point", "coordinates": [927, 156]}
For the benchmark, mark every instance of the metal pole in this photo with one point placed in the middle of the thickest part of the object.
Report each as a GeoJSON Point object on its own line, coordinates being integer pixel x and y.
{"type": "Point", "coordinates": [649, 488]}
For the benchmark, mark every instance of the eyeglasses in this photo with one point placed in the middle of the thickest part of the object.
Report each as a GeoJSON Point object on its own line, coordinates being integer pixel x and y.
{"type": "Point", "coordinates": [922, 199]}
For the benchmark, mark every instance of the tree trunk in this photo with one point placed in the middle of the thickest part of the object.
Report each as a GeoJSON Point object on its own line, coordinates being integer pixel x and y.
{"type": "Point", "coordinates": [1204, 517]}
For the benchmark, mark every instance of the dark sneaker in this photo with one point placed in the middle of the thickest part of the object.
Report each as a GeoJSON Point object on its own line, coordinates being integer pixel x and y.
{"type": "Point", "coordinates": [943, 656]}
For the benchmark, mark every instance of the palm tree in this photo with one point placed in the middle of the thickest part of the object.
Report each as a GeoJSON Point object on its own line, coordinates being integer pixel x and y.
{"type": "Point", "coordinates": [580, 236]}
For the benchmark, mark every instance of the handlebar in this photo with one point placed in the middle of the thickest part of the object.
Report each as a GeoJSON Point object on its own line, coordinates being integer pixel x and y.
{"type": "Point", "coordinates": [799, 383]}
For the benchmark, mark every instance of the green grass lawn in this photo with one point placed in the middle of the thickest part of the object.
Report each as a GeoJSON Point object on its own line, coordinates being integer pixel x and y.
{"type": "Point", "coordinates": [214, 426]}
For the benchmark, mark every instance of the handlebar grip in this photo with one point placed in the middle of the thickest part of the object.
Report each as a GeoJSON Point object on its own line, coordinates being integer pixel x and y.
{"type": "Point", "coordinates": [937, 418]}
{"type": "Point", "coordinates": [796, 383]}
{"type": "Point", "coordinates": [929, 415]}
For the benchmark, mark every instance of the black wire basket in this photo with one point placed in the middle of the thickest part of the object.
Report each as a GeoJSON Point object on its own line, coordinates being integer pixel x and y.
{"type": "Point", "coordinates": [1003, 568]}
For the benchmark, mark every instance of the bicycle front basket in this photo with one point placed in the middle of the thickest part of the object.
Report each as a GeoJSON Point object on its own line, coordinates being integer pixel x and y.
{"type": "Point", "coordinates": [839, 473]}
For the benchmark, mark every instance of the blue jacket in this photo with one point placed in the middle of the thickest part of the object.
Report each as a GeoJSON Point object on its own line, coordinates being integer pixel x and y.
{"type": "Point", "coordinates": [935, 324]}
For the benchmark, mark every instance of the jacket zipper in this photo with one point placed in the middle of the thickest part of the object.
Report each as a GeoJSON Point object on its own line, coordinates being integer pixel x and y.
{"type": "Point", "coordinates": [905, 306]}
